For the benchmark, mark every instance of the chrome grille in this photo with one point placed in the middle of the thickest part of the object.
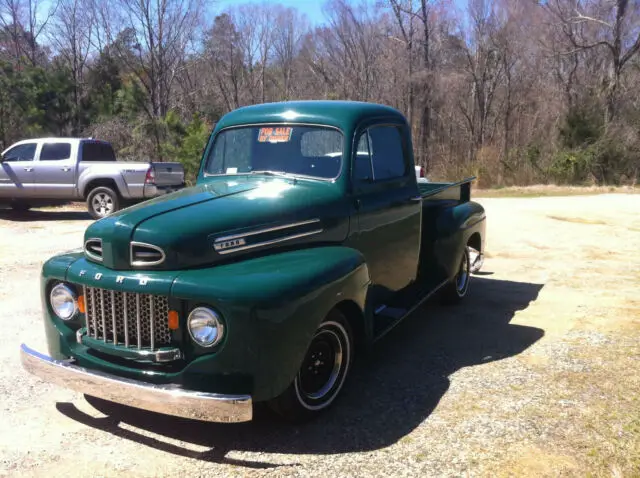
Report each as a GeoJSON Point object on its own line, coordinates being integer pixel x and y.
{"type": "Point", "coordinates": [129, 319]}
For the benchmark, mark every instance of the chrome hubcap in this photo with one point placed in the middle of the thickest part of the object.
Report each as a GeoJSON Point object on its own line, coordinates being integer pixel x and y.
{"type": "Point", "coordinates": [463, 274]}
{"type": "Point", "coordinates": [102, 204]}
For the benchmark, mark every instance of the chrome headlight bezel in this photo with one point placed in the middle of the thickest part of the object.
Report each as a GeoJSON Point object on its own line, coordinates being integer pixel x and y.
{"type": "Point", "coordinates": [205, 318]}
{"type": "Point", "coordinates": [63, 290]}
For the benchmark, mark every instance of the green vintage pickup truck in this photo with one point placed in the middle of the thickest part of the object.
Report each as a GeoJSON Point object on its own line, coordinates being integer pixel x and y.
{"type": "Point", "coordinates": [305, 240]}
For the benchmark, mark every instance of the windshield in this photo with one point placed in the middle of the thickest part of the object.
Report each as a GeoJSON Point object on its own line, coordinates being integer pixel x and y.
{"type": "Point", "coordinates": [299, 150]}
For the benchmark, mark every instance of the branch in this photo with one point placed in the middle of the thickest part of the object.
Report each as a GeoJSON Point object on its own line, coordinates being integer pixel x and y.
{"type": "Point", "coordinates": [579, 18]}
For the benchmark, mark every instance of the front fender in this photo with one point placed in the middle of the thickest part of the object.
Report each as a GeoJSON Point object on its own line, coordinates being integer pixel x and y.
{"type": "Point", "coordinates": [273, 304]}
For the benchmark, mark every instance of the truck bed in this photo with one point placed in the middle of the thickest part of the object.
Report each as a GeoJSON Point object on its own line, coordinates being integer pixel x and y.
{"type": "Point", "coordinates": [460, 191]}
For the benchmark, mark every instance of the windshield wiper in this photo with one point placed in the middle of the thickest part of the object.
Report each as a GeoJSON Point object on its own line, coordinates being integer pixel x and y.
{"type": "Point", "coordinates": [267, 172]}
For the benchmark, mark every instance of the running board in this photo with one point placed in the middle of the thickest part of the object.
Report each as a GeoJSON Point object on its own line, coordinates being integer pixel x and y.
{"type": "Point", "coordinates": [386, 317]}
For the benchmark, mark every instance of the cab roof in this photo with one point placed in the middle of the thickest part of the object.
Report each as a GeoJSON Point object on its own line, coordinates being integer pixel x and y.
{"type": "Point", "coordinates": [340, 114]}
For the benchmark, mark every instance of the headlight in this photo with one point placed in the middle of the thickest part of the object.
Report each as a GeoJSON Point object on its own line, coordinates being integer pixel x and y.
{"type": "Point", "coordinates": [63, 301]}
{"type": "Point", "coordinates": [205, 326]}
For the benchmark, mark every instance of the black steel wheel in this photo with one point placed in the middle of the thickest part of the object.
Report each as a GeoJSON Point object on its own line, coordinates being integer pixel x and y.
{"type": "Point", "coordinates": [20, 206]}
{"type": "Point", "coordinates": [322, 373]}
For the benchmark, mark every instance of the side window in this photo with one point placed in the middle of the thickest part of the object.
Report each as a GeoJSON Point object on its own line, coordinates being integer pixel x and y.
{"type": "Point", "coordinates": [387, 155]}
{"type": "Point", "coordinates": [362, 160]}
{"type": "Point", "coordinates": [55, 151]}
{"type": "Point", "coordinates": [22, 152]}
{"type": "Point", "coordinates": [95, 151]}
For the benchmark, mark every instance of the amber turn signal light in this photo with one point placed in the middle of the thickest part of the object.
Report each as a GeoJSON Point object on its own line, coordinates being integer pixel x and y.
{"type": "Point", "coordinates": [81, 306]}
{"type": "Point", "coordinates": [173, 320]}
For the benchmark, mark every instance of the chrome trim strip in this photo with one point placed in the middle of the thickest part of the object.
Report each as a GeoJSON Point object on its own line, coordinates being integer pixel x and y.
{"type": "Point", "coordinates": [89, 254]}
{"type": "Point", "coordinates": [166, 355]}
{"type": "Point", "coordinates": [95, 313]}
{"type": "Point", "coordinates": [167, 399]}
{"type": "Point", "coordinates": [126, 319]}
{"type": "Point", "coordinates": [159, 356]}
{"type": "Point", "coordinates": [263, 231]}
{"type": "Point", "coordinates": [104, 323]}
{"type": "Point", "coordinates": [145, 263]}
{"type": "Point", "coordinates": [114, 330]}
{"type": "Point", "coordinates": [273, 241]}
{"type": "Point", "coordinates": [151, 320]}
{"type": "Point", "coordinates": [138, 320]}
{"type": "Point", "coordinates": [87, 315]}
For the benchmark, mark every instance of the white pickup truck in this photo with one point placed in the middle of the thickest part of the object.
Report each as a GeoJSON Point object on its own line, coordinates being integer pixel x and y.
{"type": "Point", "coordinates": [49, 171]}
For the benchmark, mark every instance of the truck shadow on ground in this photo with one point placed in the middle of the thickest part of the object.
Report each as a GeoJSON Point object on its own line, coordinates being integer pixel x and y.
{"type": "Point", "coordinates": [389, 392]}
{"type": "Point", "coordinates": [46, 215]}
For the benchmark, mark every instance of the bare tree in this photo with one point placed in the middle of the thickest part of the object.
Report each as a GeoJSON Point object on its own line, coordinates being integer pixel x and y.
{"type": "Point", "coordinates": [71, 34]}
{"type": "Point", "coordinates": [163, 30]}
{"type": "Point", "coordinates": [25, 22]}
{"type": "Point", "coordinates": [611, 26]}
{"type": "Point", "coordinates": [414, 19]}
{"type": "Point", "coordinates": [289, 27]}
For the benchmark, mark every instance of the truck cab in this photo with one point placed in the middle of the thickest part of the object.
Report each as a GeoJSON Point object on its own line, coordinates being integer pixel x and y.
{"type": "Point", "coordinates": [305, 240]}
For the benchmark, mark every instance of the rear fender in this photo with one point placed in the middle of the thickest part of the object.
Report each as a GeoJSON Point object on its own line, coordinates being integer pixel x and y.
{"type": "Point", "coordinates": [455, 227]}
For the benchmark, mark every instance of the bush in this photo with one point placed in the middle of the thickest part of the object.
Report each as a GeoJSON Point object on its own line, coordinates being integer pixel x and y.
{"type": "Point", "coordinates": [188, 144]}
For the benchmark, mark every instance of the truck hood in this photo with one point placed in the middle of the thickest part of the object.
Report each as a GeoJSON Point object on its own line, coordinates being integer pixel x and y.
{"type": "Point", "coordinates": [222, 220]}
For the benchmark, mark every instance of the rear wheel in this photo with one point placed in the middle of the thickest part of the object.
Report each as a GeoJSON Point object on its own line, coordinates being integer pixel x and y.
{"type": "Point", "coordinates": [456, 289]}
{"type": "Point", "coordinates": [102, 201]}
{"type": "Point", "coordinates": [322, 374]}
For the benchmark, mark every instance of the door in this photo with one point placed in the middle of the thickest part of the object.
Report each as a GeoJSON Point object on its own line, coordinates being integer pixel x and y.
{"type": "Point", "coordinates": [388, 209]}
{"type": "Point", "coordinates": [55, 170]}
{"type": "Point", "coordinates": [17, 171]}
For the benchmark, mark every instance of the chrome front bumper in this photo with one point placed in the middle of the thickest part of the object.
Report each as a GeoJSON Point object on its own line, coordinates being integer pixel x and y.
{"type": "Point", "coordinates": [211, 407]}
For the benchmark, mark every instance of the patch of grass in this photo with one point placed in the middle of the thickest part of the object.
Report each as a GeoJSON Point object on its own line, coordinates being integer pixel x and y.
{"type": "Point", "coordinates": [552, 191]}
{"type": "Point", "coordinates": [578, 220]}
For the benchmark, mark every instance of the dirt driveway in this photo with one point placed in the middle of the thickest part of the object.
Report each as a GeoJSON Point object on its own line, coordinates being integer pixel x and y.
{"type": "Point", "coordinates": [537, 373]}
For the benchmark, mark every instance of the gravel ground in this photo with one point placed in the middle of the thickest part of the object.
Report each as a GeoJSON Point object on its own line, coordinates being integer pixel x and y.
{"type": "Point", "coordinates": [535, 374]}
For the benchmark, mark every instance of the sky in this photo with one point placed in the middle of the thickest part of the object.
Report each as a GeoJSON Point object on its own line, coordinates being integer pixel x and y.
{"type": "Point", "coordinates": [312, 8]}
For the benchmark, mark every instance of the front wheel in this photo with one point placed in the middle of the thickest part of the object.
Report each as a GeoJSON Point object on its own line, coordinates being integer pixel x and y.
{"type": "Point", "coordinates": [322, 373]}
{"type": "Point", "coordinates": [19, 206]}
{"type": "Point", "coordinates": [456, 289]}
{"type": "Point", "coordinates": [102, 201]}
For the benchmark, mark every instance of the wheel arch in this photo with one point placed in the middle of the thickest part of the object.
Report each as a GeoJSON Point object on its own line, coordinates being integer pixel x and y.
{"type": "Point", "coordinates": [355, 316]}
{"type": "Point", "coordinates": [475, 241]}
{"type": "Point", "coordinates": [100, 182]}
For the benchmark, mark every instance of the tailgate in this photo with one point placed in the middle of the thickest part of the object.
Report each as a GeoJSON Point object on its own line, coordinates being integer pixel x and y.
{"type": "Point", "coordinates": [168, 174]}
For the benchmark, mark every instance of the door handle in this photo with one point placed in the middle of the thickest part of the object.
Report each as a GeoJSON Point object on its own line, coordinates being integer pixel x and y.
{"type": "Point", "coordinates": [66, 169]}
{"type": "Point", "coordinates": [28, 169]}
{"type": "Point", "coordinates": [417, 198]}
